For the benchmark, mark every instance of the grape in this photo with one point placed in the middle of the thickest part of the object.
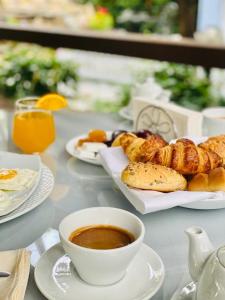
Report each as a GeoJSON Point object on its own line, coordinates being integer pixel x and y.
{"type": "Point", "coordinates": [114, 136]}
{"type": "Point", "coordinates": [144, 134]}
{"type": "Point", "coordinates": [116, 133]}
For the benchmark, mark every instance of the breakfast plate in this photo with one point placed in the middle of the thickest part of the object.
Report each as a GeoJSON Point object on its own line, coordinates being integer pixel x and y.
{"type": "Point", "coordinates": [72, 150]}
{"type": "Point", "coordinates": [40, 194]}
{"type": "Point", "coordinates": [57, 279]}
{"type": "Point", "coordinates": [27, 169]}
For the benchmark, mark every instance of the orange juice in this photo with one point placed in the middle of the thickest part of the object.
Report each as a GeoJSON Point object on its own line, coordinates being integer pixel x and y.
{"type": "Point", "coordinates": [33, 131]}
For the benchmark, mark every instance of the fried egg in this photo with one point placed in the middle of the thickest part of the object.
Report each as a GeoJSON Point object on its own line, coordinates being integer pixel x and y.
{"type": "Point", "coordinates": [16, 179]}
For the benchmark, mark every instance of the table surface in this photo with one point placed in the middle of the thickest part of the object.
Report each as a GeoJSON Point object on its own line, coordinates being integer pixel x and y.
{"type": "Point", "coordinates": [79, 185]}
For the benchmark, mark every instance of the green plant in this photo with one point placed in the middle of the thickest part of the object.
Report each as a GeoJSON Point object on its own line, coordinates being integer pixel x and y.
{"type": "Point", "coordinates": [154, 7]}
{"type": "Point", "coordinates": [33, 70]}
{"type": "Point", "coordinates": [188, 88]}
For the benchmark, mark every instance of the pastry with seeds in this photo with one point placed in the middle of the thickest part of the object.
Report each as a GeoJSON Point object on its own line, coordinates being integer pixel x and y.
{"type": "Point", "coordinates": [148, 176]}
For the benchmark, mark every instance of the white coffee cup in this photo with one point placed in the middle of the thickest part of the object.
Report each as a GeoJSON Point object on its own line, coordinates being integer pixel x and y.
{"type": "Point", "coordinates": [101, 267]}
{"type": "Point", "coordinates": [213, 122]}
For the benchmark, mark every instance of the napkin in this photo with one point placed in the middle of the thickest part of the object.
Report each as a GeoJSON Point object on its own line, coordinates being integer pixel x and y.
{"type": "Point", "coordinates": [114, 161]}
{"type": "Point", "coordinates": [17, 263]}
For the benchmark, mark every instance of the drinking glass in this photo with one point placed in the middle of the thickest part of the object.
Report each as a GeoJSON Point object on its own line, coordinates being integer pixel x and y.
{"type": "Point", "coordinates": [3, 130]}
{"type": "Point", "coordinates": [33, 128]}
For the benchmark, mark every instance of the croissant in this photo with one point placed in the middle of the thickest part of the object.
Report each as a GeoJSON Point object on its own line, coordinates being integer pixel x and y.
{"type": "Point", "coordinates": [139, 150]}
{"type": "Point", "coordinates": [216, 144]}
{"type": "Point", "coordinates": [124, 140]}
{"type": "Point", "coordinates": [186, 158]}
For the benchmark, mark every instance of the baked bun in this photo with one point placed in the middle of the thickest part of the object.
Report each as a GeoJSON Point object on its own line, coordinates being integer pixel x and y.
{"type": "Point", "coordinates": [199, 183]}
{"type": "Point", "coordinates": [148, 176]}
{"type": "Point", "coordinates": [217, 180]}
{"type": "Point", "coordinates": [212, 182]}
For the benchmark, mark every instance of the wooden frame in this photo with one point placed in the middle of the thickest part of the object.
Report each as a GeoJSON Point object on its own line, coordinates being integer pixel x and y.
{"type": "Point", "coordinates": [185, 51]}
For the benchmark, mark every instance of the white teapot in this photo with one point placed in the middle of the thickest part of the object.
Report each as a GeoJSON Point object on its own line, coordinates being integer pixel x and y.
{"type": "Point", "coordinates": [206, 266]}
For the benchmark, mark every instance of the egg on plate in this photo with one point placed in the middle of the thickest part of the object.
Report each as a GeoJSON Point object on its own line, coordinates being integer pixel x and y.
{"type": "Point", "coordinates": [16, 179]}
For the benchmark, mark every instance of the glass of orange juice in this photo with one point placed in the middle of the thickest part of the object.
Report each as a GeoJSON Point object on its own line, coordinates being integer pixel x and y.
{"type": "Point", "coordinates": [33, 128]}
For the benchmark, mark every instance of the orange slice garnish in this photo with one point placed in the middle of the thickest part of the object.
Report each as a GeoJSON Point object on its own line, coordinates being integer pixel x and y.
{"type": "Point", "coordinates": [51, 102]}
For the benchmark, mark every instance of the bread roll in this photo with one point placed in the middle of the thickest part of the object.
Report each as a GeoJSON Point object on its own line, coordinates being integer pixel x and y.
{"type": "Point", "coordinates": [148, 176]}
{"type": "Point", "coordinates": [212, 182]}
{"type": "Point", "coordinates": [199, 183]}
{"type": "Point", "coordinates": [217, 180]}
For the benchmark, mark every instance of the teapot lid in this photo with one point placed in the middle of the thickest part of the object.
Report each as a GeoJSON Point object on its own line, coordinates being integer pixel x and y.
{"type": "Point", "coordinates": [221, 255]}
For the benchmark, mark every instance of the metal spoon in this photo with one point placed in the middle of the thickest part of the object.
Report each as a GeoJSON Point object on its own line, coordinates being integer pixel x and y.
{"type": "Point", "coordinates": [4, 274]}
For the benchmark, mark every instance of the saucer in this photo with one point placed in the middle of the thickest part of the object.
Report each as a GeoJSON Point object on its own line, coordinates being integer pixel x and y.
{"type": "Point", "coordinates": [186, 293]}
{"type": "Point", "coordinates": [57, 279]}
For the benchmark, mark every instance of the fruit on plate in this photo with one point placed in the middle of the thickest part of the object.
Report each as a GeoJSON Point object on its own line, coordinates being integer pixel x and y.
{"type": "Point", "coordinates": [52, 102]}
{"type": "Point", "coordinates": [94, 136]}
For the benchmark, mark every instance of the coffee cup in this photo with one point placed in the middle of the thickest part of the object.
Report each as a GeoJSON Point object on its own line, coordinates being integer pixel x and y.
{"type": "Point", "coordinates": [101, 267]}
{"type": "Point", "coordinates": [214, 121]}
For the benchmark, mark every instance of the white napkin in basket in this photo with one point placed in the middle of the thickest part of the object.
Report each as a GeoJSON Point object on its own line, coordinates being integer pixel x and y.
{"type": "Point", "coordinates": [114, 161]}
{"type": "Point", "coordinates": [17, 263]}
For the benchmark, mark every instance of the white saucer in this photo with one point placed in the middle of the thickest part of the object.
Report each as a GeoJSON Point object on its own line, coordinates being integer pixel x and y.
{"type": "Point", "coordinates": [72, 150]}
{"type": "Point", "coordinates": [186, 293]}
{"type": "Point", "coordinates": [57, 279]}
{"type": "Point", "coordinates": [125, 113]}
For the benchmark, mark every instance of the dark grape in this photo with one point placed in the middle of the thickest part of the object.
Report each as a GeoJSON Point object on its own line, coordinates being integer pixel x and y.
{"type": "Point", "coordinates": [116, 133]}
{"type": "Point", "coordinates": [114, 136]}
{"type": "Point", "coordinates": [144, 134]}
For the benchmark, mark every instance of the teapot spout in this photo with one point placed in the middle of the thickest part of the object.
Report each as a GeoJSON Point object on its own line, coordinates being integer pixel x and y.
{"type": "Point", "coordinates": [200, 249]}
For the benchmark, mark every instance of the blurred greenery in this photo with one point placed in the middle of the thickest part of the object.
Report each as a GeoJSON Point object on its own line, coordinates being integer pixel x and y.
{"type": "Point", "coordinates": [115, 106]}
{"type": "Point", "coordinates": [32, 70]}
{"type": "Point", "coordinates": [157, 10]}
{"type": "Point", "coordinates": [189, 88]}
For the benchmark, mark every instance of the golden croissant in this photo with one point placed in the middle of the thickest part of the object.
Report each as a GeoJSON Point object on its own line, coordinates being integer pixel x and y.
{"type": "Point", "coordinates": [139, 149]}
{"type": "Point", "coordinates": [215, 144]}
{"type": "Point", "coordinates": [186, 158]}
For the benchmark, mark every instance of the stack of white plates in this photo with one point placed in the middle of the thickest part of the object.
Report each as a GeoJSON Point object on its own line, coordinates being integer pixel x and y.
{"type": "Point", "coordinates": [24, 201]}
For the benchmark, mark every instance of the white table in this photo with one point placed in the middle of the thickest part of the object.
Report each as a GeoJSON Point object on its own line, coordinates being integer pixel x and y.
{"type": "Point", "coordinates": [80, 185]}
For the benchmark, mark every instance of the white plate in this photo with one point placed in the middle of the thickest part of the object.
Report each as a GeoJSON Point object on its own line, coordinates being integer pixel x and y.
{"type": "Point", "coordinates": [10, 160]}
{"type": "Point", "coordinates": [70, 148]}
{"type": "Point", "coordinates": [125, 113]}
{"type": "Point", "coordinates": [57, 279]}
{"type": "Point", "coordinates": [40, 194]}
